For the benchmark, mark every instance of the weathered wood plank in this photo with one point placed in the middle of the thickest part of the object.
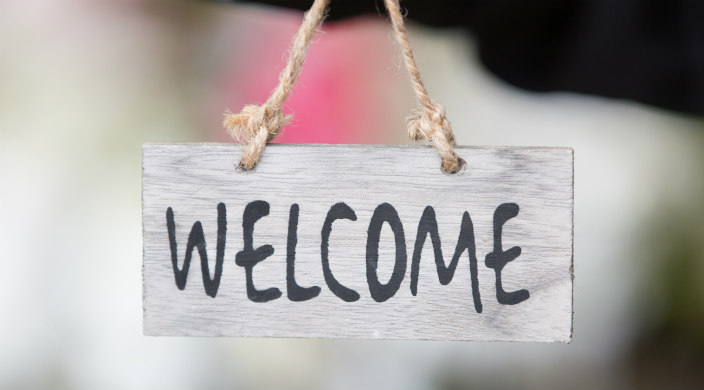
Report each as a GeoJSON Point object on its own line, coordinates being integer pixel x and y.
{"type": "Point", "coordinates": [193, 179]}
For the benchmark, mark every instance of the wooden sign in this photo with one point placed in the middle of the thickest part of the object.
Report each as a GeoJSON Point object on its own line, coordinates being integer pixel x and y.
{"type": "Point", "coordinates": [358, 242]}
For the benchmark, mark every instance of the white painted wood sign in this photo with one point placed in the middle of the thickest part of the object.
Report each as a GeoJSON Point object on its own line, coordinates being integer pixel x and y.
{"type": "Point", "coordinates": [358, 242]}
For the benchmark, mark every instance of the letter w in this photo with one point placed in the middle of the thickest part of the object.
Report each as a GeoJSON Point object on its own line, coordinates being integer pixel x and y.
{"type": "Point", "coordinates": [197, 239]}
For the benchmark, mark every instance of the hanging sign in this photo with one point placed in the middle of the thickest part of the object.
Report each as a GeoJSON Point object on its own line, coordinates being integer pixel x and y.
{"type": "Point", "coordinates": [358, 242]}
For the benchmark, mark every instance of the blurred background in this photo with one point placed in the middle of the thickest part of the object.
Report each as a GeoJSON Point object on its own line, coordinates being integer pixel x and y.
{"type": "Point", "coordinates": [83, 84]}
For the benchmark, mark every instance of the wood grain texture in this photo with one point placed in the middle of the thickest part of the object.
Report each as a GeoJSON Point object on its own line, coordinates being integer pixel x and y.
{"type": "Point", "coordinates": [193, 179]}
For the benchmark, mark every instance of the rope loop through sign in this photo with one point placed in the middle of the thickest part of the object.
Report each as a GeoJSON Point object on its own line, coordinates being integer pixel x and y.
{"type": "Point", "coordinates": [256, 126]}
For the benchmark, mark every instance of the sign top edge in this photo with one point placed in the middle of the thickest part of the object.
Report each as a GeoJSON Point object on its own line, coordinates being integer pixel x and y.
{"type": "Point", "coordinates": [148, 145]}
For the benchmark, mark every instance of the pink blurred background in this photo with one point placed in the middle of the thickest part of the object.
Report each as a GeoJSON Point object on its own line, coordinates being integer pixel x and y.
{"type": "Point", "coordinates": [347, 92]}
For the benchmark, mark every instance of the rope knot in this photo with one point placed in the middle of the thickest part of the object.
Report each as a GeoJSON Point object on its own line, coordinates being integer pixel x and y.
{"type": "Point", "coordinates": [255, 126]}
{"type": "Point", "coordinates": [430, 123]}
{"type": "Point", "coordinates": [255, 120]}
{"type": "Point", "coordinates": [427, 122]}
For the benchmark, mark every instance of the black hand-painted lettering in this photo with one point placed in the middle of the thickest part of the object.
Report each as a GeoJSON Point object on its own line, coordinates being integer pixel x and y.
{"type": "Point", "coordinates": [295, 292]}
{"type": "Point", "coordinates": [385, 212]}
{"type": "Point", "coordinates": [249, 257]}
{"type": "Point", "coordinates": [499, 258]}
{"type": "Point", "coordinates": [428, 225]}
{"type": "Point", "coordinates": [381, 292]}
{"type": "Point", "coordinates": [197, 239]}
{"type": "Point", "coordinates": [337, 211]}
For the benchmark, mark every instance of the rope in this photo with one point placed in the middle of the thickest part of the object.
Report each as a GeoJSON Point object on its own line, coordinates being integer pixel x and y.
{"type": "Point", "coordinates": [258, 125]}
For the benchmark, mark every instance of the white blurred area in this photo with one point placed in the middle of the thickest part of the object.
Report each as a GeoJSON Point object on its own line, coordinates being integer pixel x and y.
{"type": "Point", "coordinates": [83, 84]}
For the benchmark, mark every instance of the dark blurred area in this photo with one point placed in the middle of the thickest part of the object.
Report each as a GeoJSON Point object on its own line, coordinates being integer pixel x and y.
{"type": "Point", "coordinates": [650, 51]}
